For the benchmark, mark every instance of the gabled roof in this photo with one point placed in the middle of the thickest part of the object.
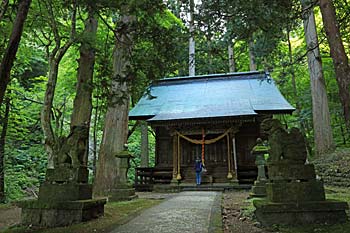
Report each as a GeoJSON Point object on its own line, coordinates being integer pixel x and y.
{"type": "Point", "coordinates": [211, 96]}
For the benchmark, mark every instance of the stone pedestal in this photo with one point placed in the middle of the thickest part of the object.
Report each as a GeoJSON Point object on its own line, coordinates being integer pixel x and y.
{"type": "Point", "coordinates": [123, 191]}
{"type": "Point", "coordinates": [122, 194]}
{"type": "Point", "coordinates": [300, 213]}
{"type": "Point", "coordinates": [64, 198]}
{"type": "Point", "coordinates": [63, 213]}
{"type": "Point", "coordinates": [258, 189]}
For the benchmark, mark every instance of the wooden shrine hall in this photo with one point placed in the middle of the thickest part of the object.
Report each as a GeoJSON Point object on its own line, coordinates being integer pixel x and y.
{"type": "Point", "coordinates": [213, 117]}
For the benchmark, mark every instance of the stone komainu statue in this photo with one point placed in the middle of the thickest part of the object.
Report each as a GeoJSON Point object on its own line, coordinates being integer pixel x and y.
{"type": "Point", "coordinates": [285, 146]}
{"type": "Point", "coordinates": [73, 148]}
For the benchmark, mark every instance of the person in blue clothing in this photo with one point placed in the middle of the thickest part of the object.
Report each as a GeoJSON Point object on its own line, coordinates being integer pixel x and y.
{"type": "Point", "coordinates": [198, 167]}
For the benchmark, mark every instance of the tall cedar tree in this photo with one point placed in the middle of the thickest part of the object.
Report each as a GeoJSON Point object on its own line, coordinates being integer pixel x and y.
{"type": "Point", "coordinates": [340, 59]}
{"type": "Point", "coordinates": [115, 132]}
{"type": "Point", "coordinates": [82, 106]}
{"type": "Point", "coordinates": [320, 111]}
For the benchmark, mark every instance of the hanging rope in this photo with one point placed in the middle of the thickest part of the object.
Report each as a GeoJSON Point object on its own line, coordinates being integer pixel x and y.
{"type": "Point", "coordinates": [208, 141]}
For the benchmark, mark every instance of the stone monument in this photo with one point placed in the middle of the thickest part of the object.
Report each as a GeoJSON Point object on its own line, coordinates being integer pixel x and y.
{"type": "Point", "coordinates": [123, 191]}
{"type": "Point", "coordinates": [259, 151]}
{"type": "Point", "coordinates": [66, 196]}
{"type": "Point", "coordinates": [294, 195]}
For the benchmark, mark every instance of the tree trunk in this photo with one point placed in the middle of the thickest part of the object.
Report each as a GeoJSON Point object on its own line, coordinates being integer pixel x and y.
{"type": "Point", "coordinates": [321, 118]}
{"type": "Point", "coordinates": [94, 159]}
{"type": "Point", "coordinates": [296, 97]}
{"type": "Point", "coordinates": [231, 57]}
{"type": "Point", "coordinates": [46, 113]}
{"type": "Point", "coordinates": [144, 145]}
{"type": "Point", "coordinates": [191, 47]}
{"type": "Point", "coordinates": [82, 107]}
{"type": "Point", "coordinates": [115, 130]}
{"type": "Point", "coordinates": [2, 149]}
{"type": "Point", "coordinates": [252, 62]}
{"type": "Point", "coordinates": [11, 50]}
{"type": "Point", "coordinates": [338, 54]}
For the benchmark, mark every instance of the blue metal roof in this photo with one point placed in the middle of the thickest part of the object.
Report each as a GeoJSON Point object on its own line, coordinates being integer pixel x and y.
{"type": "Point", "coordinates": [211, 96]}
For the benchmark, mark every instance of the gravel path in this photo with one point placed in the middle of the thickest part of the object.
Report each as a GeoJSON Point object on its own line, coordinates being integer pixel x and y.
{"type": "Point", "coordinates": [195, 212]}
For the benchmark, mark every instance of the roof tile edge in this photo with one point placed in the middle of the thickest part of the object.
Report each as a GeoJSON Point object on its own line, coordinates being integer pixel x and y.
{"type": "Point", "coordinates": [183, 78]}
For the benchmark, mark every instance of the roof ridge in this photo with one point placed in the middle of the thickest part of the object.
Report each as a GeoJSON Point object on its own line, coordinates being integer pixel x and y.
{"type": "Point", "coordinates": [198, 77]}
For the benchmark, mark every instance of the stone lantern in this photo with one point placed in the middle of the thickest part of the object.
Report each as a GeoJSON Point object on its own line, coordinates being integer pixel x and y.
{"type": "Point", "coordinates": [259, 151]}
{"type": "Point", "coordinates": [123, 189]}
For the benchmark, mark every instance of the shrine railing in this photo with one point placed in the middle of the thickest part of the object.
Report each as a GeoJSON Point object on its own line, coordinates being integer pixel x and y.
{"type": "Point", "coordinates": [146, 177]}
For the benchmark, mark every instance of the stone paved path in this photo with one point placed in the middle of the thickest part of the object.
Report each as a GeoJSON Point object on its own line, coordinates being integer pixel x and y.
{"type": "Point", "coordinates": [185, 212]}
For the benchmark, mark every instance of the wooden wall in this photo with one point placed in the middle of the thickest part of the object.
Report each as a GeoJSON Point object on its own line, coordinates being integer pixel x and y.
{"type": "Point", "coordinates": [215, 154]}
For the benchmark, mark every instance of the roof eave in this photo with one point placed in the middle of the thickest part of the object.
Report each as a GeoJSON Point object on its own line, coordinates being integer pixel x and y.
{"type": "Point", "coordinates": [279, 111]}
{"type": "Point", "coordinates": [141, 118]}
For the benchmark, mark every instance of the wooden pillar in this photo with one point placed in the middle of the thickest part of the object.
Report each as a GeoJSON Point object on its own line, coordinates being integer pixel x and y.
{"type": "Point", "coordinates": [174, 180]}
{"type": "Point", "coordinates": [234, 155]}
{"type": "Point", "coordinates": [178, 177]}
{"type": "Point", "coordinates": [229, 173]}
{"type": "Point", "coordinates": [144, 145]}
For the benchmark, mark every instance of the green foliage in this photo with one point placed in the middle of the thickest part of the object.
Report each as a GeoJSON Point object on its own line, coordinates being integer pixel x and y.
{"type": "Point", "coordinates": [25, 159]}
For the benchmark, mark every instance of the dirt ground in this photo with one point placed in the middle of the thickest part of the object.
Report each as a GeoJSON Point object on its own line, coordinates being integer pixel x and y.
{"type": "Point", "coordinates": [234, 221]}
{"type": "Point", "coordinates": [9, 216]}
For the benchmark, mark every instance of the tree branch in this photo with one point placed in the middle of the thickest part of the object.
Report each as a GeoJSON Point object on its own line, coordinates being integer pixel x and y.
{"type": "Point", "coordinates": [4, 5]}
{"type": "Point", "coordinates": [54, 28]}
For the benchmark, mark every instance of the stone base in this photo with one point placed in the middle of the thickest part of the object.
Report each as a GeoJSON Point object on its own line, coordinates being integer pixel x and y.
{"type": "Point", "coordinates": [122, 194]}
{"type": "Point", "coordinates": [57, 214]}
{"type": "Point", "coordinates": [233, 182]}
{"type": "Point", "coordinates": [295, 191]}
{"type": "Point", "coordinates": [318, 212]}
{"type": "Point", "coordinates": [290, 171]}
{"type": "Point", "coordinates": [174, 181]}
{"type": "Point", "coordinates": [259, 189]}
{"type": "Point", "coordinates": [166, 188]}
{"type": "Point", "coordinates": [64, 192]}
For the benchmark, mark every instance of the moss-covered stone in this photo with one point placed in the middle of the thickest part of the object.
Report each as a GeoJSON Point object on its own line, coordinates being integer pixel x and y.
{"type": "Point", "coordinates": [54, 214]}
{"type": "Point", "coordinates": [294, 195]}
{"type": "Point", "coordinates": [295, 191]}
{"type": "Point", "coordinates": [300, 213]}
{"type": "Point", "coordinates": [64, 192]}
{"type": "Point", "coordinates": [122, 194]}
{"type": "Point", "coordinates": [67, 174]}
{"type": "Point", "coordinates": [258, 189]}
{"type": "Point", "coordinates": [291, 171]}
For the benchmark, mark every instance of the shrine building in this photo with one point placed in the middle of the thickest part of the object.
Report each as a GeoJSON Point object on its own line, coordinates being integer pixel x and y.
{"type": "Point", "coordinates": [212, 117]}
